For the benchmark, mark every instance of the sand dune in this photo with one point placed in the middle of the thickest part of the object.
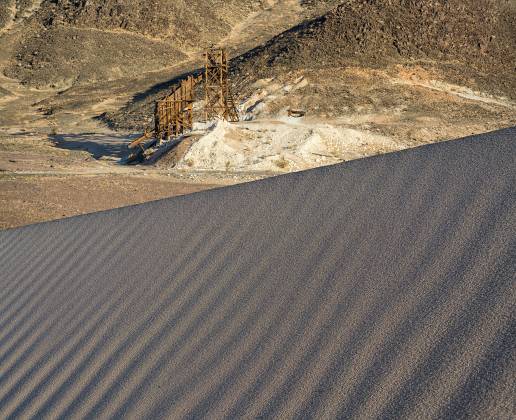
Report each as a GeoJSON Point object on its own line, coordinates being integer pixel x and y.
{"type": "Point", "coordinates": [379, 288]}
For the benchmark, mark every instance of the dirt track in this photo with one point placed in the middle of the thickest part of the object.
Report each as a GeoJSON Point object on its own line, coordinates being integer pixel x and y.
{"type": "Point", "coordinates": [380, 288]}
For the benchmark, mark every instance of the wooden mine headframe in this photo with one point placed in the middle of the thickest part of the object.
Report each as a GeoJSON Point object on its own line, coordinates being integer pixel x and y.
{"type": "Point", "coordinates": [218, 99]}
{"type": "Point", "coordinates": [174, 113]}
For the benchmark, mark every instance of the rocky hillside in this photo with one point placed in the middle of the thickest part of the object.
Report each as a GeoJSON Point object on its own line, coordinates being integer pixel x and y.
{"type": "Point", "coordinates": [69, 42]}
{"type": "Point", "coordinates": [185, 22]}
{"type": "Point", "coordinates": [470, 43]}
{"type": "Point", "coordinates": [419, 60]}
{"type": "Point", "coordinates": [478, 34]}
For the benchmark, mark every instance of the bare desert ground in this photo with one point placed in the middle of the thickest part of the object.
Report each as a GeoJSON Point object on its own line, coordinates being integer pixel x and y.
{"type": "Point", "coordinates": [69, 105]}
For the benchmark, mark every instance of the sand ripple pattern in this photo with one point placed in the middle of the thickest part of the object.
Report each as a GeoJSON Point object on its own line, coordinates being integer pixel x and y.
{"type": "Point", "coordinates": [379, 288]}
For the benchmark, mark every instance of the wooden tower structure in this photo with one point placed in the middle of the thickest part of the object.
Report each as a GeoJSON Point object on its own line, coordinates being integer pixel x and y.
{"type": "Point", "coordinates": [218, 99]}
{"type": "Point", "coordinates": [174, 113]}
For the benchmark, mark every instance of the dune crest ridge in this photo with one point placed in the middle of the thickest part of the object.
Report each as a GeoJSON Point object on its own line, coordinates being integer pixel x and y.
{"type": "Point", "coordinates": [382, 287]}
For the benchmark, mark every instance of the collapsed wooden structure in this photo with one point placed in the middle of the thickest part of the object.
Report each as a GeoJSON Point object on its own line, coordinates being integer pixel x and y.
{"type": "Point", "coordinates": [173, 115]}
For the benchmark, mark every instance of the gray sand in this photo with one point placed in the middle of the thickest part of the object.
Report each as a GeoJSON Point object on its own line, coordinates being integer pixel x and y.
{"type": "Point", "coordinates": [379, 288]}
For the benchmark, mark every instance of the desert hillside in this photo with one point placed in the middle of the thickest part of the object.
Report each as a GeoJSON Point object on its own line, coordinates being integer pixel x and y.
{"type": "Point", "coordinates": [67, 42]}
{"type": "Point", "coordinates": [79, 80]}
{"type": "Point", "coordinates": [410, 71]}
{"type": "Point", "coordinates": [70, 42]}
{"type": "Point", "coordinates": [479, 34]}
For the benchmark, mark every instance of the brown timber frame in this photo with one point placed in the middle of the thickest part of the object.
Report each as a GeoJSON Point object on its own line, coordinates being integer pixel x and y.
{"type": "Point", "coordinates": [218, 99]}
{"type": "Point", "coordinates": [174, 113]}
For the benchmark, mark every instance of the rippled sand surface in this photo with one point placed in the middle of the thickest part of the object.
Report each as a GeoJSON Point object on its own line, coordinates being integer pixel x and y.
{"type": "Point", "coordinates": [378, 288]}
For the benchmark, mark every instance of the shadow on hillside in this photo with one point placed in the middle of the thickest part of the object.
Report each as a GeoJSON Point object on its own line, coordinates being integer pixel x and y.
{"type": "Point", "coordinates": [146, 98]}
{"type": "Point", "coordinates": [166, 85]}
{"type": "Point", "coordinates": [98, 145]}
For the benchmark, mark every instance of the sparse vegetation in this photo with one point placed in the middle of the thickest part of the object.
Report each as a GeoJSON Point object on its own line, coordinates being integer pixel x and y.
{"type": "Point", "coordinates": [281, 163]}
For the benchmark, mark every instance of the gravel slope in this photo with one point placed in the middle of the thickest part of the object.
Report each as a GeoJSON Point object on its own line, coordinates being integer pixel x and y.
{"type": "Point", "coordinates": [383, 287]}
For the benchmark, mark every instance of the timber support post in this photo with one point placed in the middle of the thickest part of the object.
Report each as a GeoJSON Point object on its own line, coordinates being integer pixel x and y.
{"type": "Point", "coordinates": [218, 99]}
{"type": "Point", "coordinates": [174, 113]}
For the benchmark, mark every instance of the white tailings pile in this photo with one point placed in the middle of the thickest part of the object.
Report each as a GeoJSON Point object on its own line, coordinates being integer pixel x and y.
{"type": "Point", "coordinates": [285, 144]}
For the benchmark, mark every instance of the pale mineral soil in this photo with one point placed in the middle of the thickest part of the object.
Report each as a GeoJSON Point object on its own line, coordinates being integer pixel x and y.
{"type": "Point", "coordinates": [350, 114]}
